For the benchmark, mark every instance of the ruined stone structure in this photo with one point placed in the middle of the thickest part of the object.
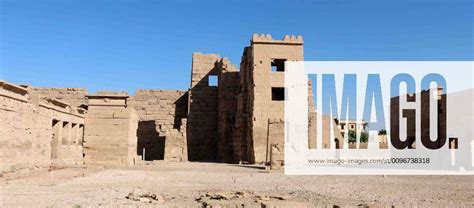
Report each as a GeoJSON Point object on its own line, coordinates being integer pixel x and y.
{"type": "Point", "coordinates": [111, 137]}
{"type": "Point", "coordinates": [37, 133]}
{"type": "Point", "coordinates": [162, 123]}
{"type": "Point", "coordinates": [227, 115]}
{"type": "Point", "coordinates": [262, 91]}
{"type": "Point", "coordinates": [72, 96]}
{"type": "Point", "coordinates": [203, 111]}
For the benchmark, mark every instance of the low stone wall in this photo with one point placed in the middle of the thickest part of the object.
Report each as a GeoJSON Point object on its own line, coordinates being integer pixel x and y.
{"type": "Point", "coordinates": [31, 137]}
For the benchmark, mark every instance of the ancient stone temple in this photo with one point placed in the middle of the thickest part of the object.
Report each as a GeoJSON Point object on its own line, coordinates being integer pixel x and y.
{"type": "Point", "coordinates": [227, 115]}
{"type": "Point", "coordinates": [260, 108]}
{"type": "Point", "coordinates": [37, 133]}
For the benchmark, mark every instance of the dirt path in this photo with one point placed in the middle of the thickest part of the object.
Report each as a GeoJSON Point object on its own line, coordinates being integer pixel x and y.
{"type": "Point", "coordinates": [198, 184]}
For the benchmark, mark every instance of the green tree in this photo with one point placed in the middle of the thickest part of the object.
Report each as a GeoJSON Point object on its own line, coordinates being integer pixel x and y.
{"type": "Point", "coordinates": [352, 136]}
{"type": "Point", "coordinates": [364, 136]}
{"type": "Point", "coordinates": [383, 132]}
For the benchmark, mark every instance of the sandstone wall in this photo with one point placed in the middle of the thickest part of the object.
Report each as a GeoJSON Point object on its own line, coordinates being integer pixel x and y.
{"type": "Point", "coordinates": [275, 143]}
{"type": "Point", "coordinates": [259, 100]}
{"type": "Point", "coordinates": [266, 50]}
{"type": "Point", "coordinates": [30, 133]}
{"type": "Point", "coordinates": [24, 133]}
{"type": "Point", "coordinates": [203, 109]}
{"type": "Point", "coordinates": [235, 120]}
{"type": "Point", "coordinates": [176, 149]}
{"type": "Point", "coordinates": [110, 137]}
{"type": "Point", "coordinates": [241, 141]}
{"type": "Point", "coordinates": [327, 142]}
{"type": "Point", "coordinates": [67, 127]}
{"type": "Point", "coordinates": [74, 96]}
{"type": "Point", "coordinates": [162, 124]}
{"type": "Point", "coordinates": [228, 88]}
{"type": "Point", "coordinates": [337, 141]}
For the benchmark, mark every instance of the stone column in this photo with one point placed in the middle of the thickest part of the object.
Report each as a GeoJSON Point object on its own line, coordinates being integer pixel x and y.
{"type": "Point", "coordinates": [75, 134]}
{"type": "Point", "coordinates": [56, 141]}
{"type": "Point", "coordinates": [66, 133]}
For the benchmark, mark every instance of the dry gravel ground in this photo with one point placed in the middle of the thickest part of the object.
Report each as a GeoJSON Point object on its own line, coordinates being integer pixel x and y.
{"type": "Point", "coordinates": [208, 184]}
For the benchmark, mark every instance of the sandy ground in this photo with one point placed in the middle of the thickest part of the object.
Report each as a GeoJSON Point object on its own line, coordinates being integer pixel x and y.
{"type": "Point", "coordinates": [208, 184]}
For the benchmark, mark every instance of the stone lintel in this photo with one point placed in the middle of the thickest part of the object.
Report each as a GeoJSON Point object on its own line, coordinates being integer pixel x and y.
{"type": "Point", "coordinates": [61, 106]}
{"type": "Point", "coordinates": [13, 91]}
{"type": "Point", "coordinates": [118, 100]}
{"type": "Point", "coordinates": [58, 103]}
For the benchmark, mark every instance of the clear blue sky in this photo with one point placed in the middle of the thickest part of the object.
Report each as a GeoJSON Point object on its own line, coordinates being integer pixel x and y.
{"type": "Point", "coordinates": [128, 45]}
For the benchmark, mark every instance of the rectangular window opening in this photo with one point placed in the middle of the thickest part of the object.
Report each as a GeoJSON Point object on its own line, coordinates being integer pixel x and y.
{"type": "Point", "coordinates": [213, 80]}
{"type": "Point", "coordinates": [278, 93]}
{"type": "Point", "coordinates": [55, 122]}
{"type": "Point", "coordinates": [278, 65]}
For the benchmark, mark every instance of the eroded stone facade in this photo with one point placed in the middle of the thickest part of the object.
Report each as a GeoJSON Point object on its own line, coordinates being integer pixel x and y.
{"type": "Point", "coordinates": [226, 115]}
{"type": "Point", "coordinates": [73, 96]}
{"type": "Point", "coordinates": [111, 137]}
{"type": "Point", "coordinates": [37, 133]}
{"type": "Point", "coordinates": [162, 123]}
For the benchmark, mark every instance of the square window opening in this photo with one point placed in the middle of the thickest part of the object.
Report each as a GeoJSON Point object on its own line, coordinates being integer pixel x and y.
{"type": "Point", "coordinates": [278, 65]}
{"type": "Point", "coordinates": [213, 80]}
{"type": "Point", "coordinates": [55, 122]}
{"type": "Point", "coordinates": [278, 93]}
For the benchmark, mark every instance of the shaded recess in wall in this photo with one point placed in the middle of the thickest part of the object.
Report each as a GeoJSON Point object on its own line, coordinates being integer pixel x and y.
{"type": "Point", "coordinates": [150, 140]}
{"type": "Point", "coordinates": [155, 126]}
{"type": "Point", "coordinates": [181, 110]}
